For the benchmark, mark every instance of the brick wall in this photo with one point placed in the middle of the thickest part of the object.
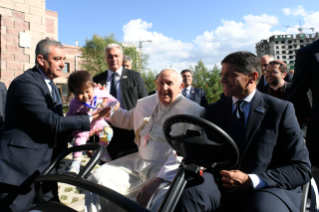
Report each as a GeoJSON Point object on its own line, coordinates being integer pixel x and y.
{"type": "Point", "coordinates": [17, 16]}
{"type": "Point", "coordinates": [51, 24]}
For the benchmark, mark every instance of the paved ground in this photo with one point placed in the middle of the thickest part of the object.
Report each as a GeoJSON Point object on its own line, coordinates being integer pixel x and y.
{"type": "Point", "coordinates": [71, 195]}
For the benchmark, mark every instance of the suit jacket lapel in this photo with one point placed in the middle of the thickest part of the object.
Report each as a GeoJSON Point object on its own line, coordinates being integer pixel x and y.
{"type": "Point", "coordinates": [123, 81]}
{"type": "Point", "coordinates": [103, 78]}
{"type": "Point", "coordinates": [225, 115]}
{"type": "Point", "coordinates": [257, 112]}
{"type": "Point", "coordinates": [192, 94]}
{"type": "Point", "coordinates": [39, 78]}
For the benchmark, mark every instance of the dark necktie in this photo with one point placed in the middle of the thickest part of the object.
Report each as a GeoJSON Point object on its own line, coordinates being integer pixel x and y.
{"type": "Point", "coordinates": [185, 92]}
{"type": "Point", "coordinates": [237, 127]}
{"type": "Point", "coordinates": [55, 94]}
{"type": "Point", "coordinates": [113, 86]}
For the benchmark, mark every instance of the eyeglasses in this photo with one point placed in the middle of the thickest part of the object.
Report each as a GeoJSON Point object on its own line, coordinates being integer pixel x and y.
{"type": "Point", "coordinates": [272, 72]}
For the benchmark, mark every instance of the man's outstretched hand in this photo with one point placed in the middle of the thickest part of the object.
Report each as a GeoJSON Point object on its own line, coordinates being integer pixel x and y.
{"type": "Point", "coordinates": [105, 112]}
{"type": "Point", "coordinates": [236, 181]}
{"type": "Point", "coordinates": [146, 192]}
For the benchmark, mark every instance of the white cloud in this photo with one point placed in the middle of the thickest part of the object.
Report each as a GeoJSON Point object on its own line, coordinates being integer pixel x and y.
{"type": "Point", "coordinates": [299, 10]}
{"type": "Point", "coordinates": [211, 46]}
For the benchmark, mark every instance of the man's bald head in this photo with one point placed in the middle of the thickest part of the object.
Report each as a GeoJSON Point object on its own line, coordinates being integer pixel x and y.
{"type": "Point", "coordinates": [264, 61]}
{"type": "Point", "coordinates": [169, 85]}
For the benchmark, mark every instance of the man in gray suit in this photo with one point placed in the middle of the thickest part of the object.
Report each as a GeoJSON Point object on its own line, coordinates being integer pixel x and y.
{"type": "Point", "coordinates": [127, 87]}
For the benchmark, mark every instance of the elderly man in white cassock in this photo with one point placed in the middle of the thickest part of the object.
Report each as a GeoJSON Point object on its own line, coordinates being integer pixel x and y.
{"type": "Point", "coordinates": [142, 175]}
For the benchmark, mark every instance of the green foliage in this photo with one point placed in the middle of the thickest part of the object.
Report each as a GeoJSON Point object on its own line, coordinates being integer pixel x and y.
{"type": "Point", "coordinates": [149, 77]}
{"type": "Point", "coordinates": [208, 80]}
{"type": "Point", "coordinates": [93, 56]}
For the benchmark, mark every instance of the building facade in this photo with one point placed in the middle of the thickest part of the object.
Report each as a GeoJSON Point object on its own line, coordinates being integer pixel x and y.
{"type": "Point", "coordinates": [23, 23]}
{"type": "Point", "coordinates": [284, 47]}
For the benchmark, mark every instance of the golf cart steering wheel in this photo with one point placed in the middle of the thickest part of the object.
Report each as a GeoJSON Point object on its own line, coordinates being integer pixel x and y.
{"type": "Point", "coordinates": [195, 148]}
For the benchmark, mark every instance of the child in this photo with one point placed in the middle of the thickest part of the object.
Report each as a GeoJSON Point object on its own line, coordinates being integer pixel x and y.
{"type": "Point", "coordinates": [88, 99]}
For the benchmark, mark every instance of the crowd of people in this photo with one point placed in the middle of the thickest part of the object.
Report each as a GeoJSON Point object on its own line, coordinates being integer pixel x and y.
{"type": "Point", "coordinates": [269, 113]}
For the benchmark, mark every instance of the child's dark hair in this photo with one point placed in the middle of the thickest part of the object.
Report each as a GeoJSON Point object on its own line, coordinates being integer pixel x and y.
{"type": "Point", "coordinates": [79, 79]}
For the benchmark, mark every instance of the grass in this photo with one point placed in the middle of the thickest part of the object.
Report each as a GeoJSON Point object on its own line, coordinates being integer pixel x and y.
{"type": "Point", "coordinates": [65, 109]}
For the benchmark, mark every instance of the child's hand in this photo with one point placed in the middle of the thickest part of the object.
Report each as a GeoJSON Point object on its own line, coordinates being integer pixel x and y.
{"type": "Point", "coordinates": [103, 103]}
{"type": "Point", "coordinates": [99, 86]}
{"type": "Point", "coordinates": [94, 131]}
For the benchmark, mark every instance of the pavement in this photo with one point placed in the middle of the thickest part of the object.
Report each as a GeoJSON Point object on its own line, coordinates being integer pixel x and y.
{"type": "Point", "coordinates": [71, 195]}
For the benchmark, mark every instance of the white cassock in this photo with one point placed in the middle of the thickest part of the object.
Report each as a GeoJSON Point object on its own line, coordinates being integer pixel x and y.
{"type": "Point", "coordinates": [155, 157]}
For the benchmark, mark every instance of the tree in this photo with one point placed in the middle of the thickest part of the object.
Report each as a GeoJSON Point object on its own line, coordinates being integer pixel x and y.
{"type": "Point", "coordinates": [208, 80]}
{"type": "Point", "coordinates": [149, 77]}
{"type": "Point", "coordinates": [93, 54]}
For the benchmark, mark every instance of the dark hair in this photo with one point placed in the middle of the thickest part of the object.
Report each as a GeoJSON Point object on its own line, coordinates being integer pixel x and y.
{"type": "Point", "coordinates": [79, 79]}
{"type": "Point", "coordinates": [43, 48]}
{"type": "Point", "coordinates": [245, 62]}
{"type": "Point", "coordinates": [282, 66]}
{"type": "Point", "coordinates": [186, 70]}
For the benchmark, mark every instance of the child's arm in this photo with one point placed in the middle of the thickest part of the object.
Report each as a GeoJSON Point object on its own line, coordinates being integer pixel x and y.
{"type": "Point", "coordinates": [72, 108]}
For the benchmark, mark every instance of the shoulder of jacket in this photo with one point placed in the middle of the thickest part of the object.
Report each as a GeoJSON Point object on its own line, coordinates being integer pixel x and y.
{"type": "Point", "coordinates": [99, 75]}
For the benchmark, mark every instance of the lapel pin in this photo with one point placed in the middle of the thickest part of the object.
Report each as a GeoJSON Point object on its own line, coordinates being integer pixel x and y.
{"type": "Point", "coordinates": [260, 109]}
{"type": "Point", "coordinates": [124, 77]}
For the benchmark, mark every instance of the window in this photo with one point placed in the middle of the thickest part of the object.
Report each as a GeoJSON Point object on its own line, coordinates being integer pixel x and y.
{"type": "Point", "coordinates": [278, 57]}
{"type": "Point", "coordinates": [283, 57]}
{"type": "Point", "coordinates": [282, 41]}
{"type": "Point", "coordinates": [63, 89]}
{"type": "Point", "coordinates": [276, 42]}
{"type": "Point", "coordinates": [291, 57]}
{"type": "Point", "coordinates": [290, 47]}
{"type": "Point", "coordinates": [277, 47]}
{"type": "Point", "coordinates": [66, 68]}
{"type": "Point", "coordinates": [283, 52]}
{"type": "Point", "coordinates": [291, 62]}
{"type": "Point", "coordinates": [283, 47]}
{"type": "Point", "coordinates": [289, 41]}
{"type": "Point", "coordinates": [290, 52]}
{"type": "Point", "coordinates": [277, 52]}
{"type": "Point", "coordinates": [301, 41]}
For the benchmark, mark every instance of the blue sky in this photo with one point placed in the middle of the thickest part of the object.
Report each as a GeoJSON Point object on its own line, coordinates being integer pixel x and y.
{"type": "Point", "coordinates": [183, 31]}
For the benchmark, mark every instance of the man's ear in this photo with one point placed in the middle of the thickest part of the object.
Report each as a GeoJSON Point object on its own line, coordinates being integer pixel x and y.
{"type": "Point", "coordinates": [284, 74]}
{"type": "Point", "coordinates": [253, 77]}
{"type": "Point", "coordinates": [40, 60]}
{"type": "Point", "coordinates": [182, 86]}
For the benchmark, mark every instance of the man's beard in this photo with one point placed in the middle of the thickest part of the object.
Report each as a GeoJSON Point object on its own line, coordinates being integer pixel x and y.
{"type": "Point", "coordinates": [275, 82]}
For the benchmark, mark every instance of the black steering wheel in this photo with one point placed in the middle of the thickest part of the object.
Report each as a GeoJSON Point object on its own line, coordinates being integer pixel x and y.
{"type": "Point", "coordinates": [195, 148]}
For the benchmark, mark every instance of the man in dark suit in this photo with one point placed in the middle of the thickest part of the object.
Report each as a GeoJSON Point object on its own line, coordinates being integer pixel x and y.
{"type": "Point", "coordinates": [276, 86]}
{"type": "Point", "coordinates": [3, 97]}
{"type": "Point", "coordinates": [264, 61]}
{"type": "Point", "coordinates": [289, 77]}
{"type": "Point", "coordinates": [273, 160]}
{"type": "Point", "coordinates": [127, 87]}
{"type": "Point", "coordinates": [306, 78]}
{"type": "Point", "coordinates": [194, 94]}
{"type": "Point", "coordinates": [34, 126]}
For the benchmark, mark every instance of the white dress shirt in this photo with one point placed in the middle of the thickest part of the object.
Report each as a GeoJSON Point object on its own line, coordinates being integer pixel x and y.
{"type": "Point", "coordinates": [47, 80]}
{"type": "Point", "coordinates": [118, 86]}
{"type": "Point", "coordinates": [257, 182]}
